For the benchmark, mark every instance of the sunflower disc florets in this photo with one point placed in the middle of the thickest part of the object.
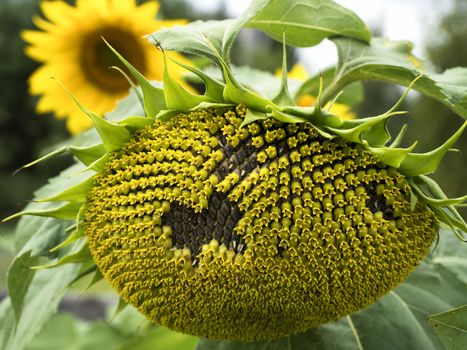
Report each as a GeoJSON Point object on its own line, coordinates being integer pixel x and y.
{"type": "Point", "coordinates": [250, 233]}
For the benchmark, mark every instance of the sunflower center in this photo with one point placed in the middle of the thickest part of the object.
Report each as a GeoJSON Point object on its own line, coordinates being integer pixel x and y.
{"type": "Point", "coordinates": [191, 230]}
{"type": "Point", "coordinates": [96, 58]}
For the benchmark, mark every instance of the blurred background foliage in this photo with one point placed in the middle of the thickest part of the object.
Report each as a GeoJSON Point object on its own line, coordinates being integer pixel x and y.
{"type": "Point", "coordinates": [24, 135]}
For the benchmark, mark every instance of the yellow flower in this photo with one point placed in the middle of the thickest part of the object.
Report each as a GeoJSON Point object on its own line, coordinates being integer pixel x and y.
{"type": "Point", "coordinates": [299, 72]}
{"type": "Point", "coordinates": [70, 47]}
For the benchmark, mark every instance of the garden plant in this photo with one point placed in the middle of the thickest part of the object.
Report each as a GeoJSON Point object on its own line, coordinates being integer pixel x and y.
{"type": "Point", "coordinates": [241, 215]}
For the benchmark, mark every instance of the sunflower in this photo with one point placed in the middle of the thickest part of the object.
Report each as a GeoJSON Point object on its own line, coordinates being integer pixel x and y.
{"type": "Point", "coordinates": [70, 48]}
{"type": "Point", "coordinates": [228, 215]}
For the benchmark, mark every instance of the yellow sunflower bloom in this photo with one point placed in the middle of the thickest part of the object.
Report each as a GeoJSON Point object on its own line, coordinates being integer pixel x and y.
{"type": "Point", "coordinates": [70, 47]}
{"type": "Point", "coordinates": [299, 72]}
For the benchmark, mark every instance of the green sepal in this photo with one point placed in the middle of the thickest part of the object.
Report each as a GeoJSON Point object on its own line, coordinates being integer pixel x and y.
{"type": "Point", "coordinates": [323, 133]}
{"type": "Point", "coordinates": [240, 95]}
{"type": "Point", "coordinates": [50, 155]}
{"type": "Point", "coordinates": [77, 231]}
{"type": "Point", "coordinates": [235, 92]}
{"type": "Point", "coordinates": [313, 115]}
{"type": "Point", "coordinates": [354, 130]}
{"type": "Point", "coordinates": [400, 136]}
{"type": "Point", "coordinates": [379, 135]}
{"type": "Point", "coordinates": [286, 117]}
{"type": "Point", "coordinates": [436, 191]}
{"type": "Point", "coordinates": [390, 156]}
{"type": "Point", "coordinates": [444, 208]}
{"type": "Point", "coordinates": [95, 279]}
{"type": "Point", "coordinates": [113, 135]}
{"type": "Point", "coordinates": [134, 123]}
{"type": "Point", "coordinates": [176, 97]}
{"type": "Point", "coordinates": [413, 199]}
{"type": "Point", "coordinates": [206, 105]}
{"type": "Point", "coordinates": [352, 94]}
{"type": "Point", "coordinates": [99, 164]}
{"type": "Point", "coordinates": [75, 194]}
{"type": "Point", "coordinates": [427, 163]}
{"type": "Point", "coordinates": [85, 155]}
{"type": "Point", "coordinates": [454, 224]}
{"type": "Point", "coordinates": [439, 202]}
{"type": "Point", "coordinates": [166, 114]}
{"type": "Point", "coordinates": [283, 95]}
{"type": "Point", "coordinates": [131, 83]}
{"type": "Point", "coordinates": [122, 304]}
{"type": "Point", "coordinates": [154, 99]}
{"type": "Point", "coordinates": [75, 235]}
{"type": "Point", "coordinates": [252, 116]}
{"type": "Point", "coordinates": [214, 88]}
{"type": "Point", "coordinates": [83, 255]}
{"type": "Point", "coordinates": [65, 211]}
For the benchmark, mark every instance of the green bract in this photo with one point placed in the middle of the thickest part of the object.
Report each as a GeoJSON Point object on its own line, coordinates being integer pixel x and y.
{"type": "Point", "coordinates": [233, 215]}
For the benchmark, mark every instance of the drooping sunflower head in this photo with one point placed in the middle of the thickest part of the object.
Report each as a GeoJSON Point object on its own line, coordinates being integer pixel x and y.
{"type": "Point", "coordinates": [250, 233]}
{"type": "Point", "coordinates": [69, 46]}
{"type": "Point", "coordinates": [231, 215]}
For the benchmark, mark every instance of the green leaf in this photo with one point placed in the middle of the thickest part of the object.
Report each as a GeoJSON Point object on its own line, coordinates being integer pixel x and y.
{"type": "Point", "coordinates": [396, 321]}
{"type": "Point", "coordinates": [451, 327]}
{"type": "Point", "coordinates": [34, 295]}
{"type": "Point", "coordinates": [307, 23]}
{"type": "Point", "coordinates": [60, 332]}
{"type": "Point", "coordinates": [197, 37]}
{"type": "Point", "coordinates": [191, 38]}
{"type": "Point", "coordinates": [160, 338]}
{"type": "Point", "coordinates": [394, 62]}
{"type": "Point", "coordinates": [40, 302]}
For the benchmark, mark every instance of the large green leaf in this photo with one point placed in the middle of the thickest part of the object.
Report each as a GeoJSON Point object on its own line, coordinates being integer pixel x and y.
{"type": "Point", "coordinates": [41, 300]}
{"type": "Point", "coordinates": [193, 38]}
{"type": "Point", "coordinates": [128, 330]}
{"type": "Point", "coordinates": [451, 327]}
{"type": "Point", "coordinates": [34, 295]}
{"type": "Point", "coordinates": [197, 37]}
{"type": "Point", "coordinates": [394, 62]}
{"type": "Point", "coordinates": [307, 23]}
{"type": "Point", "coordinates": [397, 321]}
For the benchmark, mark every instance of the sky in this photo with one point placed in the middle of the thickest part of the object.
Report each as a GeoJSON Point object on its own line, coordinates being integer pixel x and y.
{"type": "Point", "coordinates": [398, 20]}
